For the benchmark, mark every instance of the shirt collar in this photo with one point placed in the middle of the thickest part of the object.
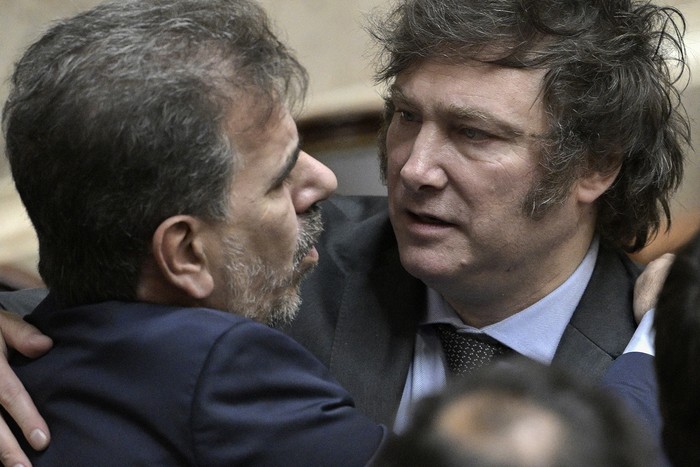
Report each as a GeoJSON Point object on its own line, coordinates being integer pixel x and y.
{"type": "Point", "coordinates": [535, 331]}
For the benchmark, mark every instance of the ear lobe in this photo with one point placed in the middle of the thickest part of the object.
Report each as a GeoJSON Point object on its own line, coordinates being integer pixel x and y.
{"type": "Point", "coordinates": [179, 253]}
{"type": "Point", "coordinates": [592, 185]}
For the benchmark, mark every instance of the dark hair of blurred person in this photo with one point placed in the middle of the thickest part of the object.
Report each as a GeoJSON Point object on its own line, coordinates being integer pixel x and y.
{"type": "Point", "coordinates": [677, 323]}
{"type": "Point", "coordinates": [519, 413]}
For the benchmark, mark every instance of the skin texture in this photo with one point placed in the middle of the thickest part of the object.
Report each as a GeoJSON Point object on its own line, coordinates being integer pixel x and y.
{"type": "Point", "coordinates": [250, 263]}
{"type": "Point", "coordinates": [268, 244]}
{"type": "Point", "coordinates": [462, 157]}
{"type": "Point", "coordinates": [649, 284]}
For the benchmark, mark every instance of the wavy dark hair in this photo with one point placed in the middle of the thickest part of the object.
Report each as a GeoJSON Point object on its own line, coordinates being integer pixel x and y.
{"type": "Point", "coordinates": [609, 91]}
{"type": "Point", "coordinates": [677, 323]}
{"type": "Point", "coordinates": [115, 122]}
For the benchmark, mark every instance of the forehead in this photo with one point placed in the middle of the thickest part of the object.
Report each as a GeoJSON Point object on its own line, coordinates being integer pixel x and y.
{"type": "Point", "coordinates": [258, 129]}
{"type": "Point", "coordinates": [509, 93]}
{"type": "Point", "coordinates": [263, 151]}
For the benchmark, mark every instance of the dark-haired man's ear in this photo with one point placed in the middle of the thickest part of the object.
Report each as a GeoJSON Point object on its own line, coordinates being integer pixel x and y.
{"type": "Point", "coordinates": [179, 257]}
{"type": "Point", "coordinates": [589, 187]}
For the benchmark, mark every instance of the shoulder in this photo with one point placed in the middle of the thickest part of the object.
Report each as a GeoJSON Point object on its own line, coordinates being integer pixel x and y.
{"type": "Point", "coordinates": [633, 369]}
{"type": "Point", "coordinates": [175, 340]}
{"type": "Point", "coordinates": [603, 321]}
{"type": "Point", "coordinates": [262, 398]}
{"type": "Point", "coordinates": [632, 378]}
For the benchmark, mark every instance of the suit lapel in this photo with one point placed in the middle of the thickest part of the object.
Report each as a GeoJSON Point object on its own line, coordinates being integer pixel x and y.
{"type": "Point", "coordinates": [603, 322]}
{"type": "Point", "coordinates": [375, 335]}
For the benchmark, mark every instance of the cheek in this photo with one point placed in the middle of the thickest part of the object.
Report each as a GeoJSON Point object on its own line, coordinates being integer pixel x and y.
{"type": "Point", "coordinates": [274, 232]}
{"type": "Point", "coordinates": [284, 232]}
{"type": "Point", "coordinates": [498, 181]}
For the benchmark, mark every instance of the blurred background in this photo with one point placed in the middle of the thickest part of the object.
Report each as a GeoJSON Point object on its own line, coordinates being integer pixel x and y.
{"type": "Point", "coordinates": [340, 120]}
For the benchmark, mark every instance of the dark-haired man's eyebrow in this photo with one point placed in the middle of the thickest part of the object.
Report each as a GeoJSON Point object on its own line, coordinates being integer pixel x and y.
{"type": "Point", "coordinates": [396, 95]}
{"type": "Point", "coordinates": [455, 113]}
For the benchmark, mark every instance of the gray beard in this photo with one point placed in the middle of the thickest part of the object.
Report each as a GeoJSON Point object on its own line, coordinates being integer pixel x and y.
{"type": "Point", "coordinates": [262, 293]}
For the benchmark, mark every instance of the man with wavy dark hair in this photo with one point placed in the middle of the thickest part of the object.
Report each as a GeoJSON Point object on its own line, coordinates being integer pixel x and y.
{"type": "Point", "coordinates": [608, 69]}
{"type": "Point", "coordinates": [527, 146]}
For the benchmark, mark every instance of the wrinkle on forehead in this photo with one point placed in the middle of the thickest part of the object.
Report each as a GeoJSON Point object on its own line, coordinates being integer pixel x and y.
{"type": "Point", "coordinates": [473, 93]}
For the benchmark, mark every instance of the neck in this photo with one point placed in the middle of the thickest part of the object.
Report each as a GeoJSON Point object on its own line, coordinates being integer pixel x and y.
{"type": "Point", "coordinates": [153, 287]}
{"type": "Point", "coordinates": [488, 301]}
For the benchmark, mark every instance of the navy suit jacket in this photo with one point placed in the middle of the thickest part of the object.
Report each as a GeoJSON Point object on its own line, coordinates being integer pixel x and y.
{"type": "Point", "coordinates": [361, 309]}
{"type": "Point", "coordinates": [141, 384]}
{"type": "Point", "coordinates": [632, 378]}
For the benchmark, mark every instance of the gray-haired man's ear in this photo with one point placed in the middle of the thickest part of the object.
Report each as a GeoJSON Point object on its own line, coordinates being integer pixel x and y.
{"type": "Point", "coordinates": [179, 271]}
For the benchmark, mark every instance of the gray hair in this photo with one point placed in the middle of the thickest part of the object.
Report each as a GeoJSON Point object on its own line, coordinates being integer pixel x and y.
{"type": "Point", "coordinates": [116, 122]}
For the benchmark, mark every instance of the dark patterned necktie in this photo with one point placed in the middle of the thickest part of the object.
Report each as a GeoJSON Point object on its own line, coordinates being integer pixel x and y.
{"type": "Point", "coordinates": [465, 352]}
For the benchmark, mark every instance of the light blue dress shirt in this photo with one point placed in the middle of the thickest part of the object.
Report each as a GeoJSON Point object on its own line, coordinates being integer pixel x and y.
{"type": "Point", "coordinates": [534, 332]}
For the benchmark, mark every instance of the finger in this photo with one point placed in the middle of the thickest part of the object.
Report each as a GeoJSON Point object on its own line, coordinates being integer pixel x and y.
{"type": "Point", "coordinates": [10, 453]}
{"type": "Point", "coordinates": [650, 283]}
{"type": "Point", "coordinates": [22, 336]}
{"type": "Point", "coordinates": [16, 401]}
{"type": "Point", "coordinates": [13, 397]}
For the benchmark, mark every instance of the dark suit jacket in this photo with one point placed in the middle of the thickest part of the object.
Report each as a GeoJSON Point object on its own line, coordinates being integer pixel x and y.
{"type": "Point", "coordinates": [140, 384]}
{"type": "Point", "coordinates": [632, 378]}
{"type": "Point", "coordinates": [361, 309]}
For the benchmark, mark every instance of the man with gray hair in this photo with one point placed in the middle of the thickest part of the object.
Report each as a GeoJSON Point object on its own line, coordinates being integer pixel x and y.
{"type": "Point", "coordinates": [153, 146]}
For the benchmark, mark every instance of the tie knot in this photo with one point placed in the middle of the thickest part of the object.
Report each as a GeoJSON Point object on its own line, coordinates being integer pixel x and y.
{"type": "Point", "coordinates": [465, 352]}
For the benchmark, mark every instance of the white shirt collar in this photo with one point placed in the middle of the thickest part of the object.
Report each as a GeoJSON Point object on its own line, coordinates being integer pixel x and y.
{"type": "Point", "coordinates": [535, 331]}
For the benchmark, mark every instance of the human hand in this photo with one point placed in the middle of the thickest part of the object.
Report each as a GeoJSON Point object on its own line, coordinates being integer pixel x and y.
{"type": "Point", "coordinates": [26, 339]}
{"type": "Point", "coordinates": [649, 284]}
